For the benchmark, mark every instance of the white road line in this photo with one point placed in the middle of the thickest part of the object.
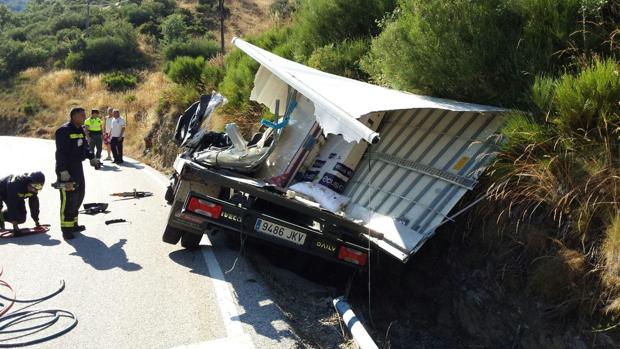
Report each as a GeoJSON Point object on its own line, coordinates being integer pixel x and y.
{"type": "Point", "coordinates": [240, 342]}
{"type": "Point", "coordinates": [236, 337]}
{"type": "Point", "coordinates": [225, 298]}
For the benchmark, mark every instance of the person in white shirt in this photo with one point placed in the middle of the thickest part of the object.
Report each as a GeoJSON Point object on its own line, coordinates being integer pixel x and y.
{"type": "Point", "coordinates": [106, 131]}
{"type": "Point", "coordinates": [117, 133]}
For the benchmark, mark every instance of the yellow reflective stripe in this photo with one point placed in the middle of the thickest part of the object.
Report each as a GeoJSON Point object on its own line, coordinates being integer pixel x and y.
{"type": "Point", "coordinates": [76, 135]}
{"type": "Point", "coordinates": [27, 195]}
{"type": "Point", "coordinates": [93, 124]}
{"type": "Point", "coordinates": [63, 205]}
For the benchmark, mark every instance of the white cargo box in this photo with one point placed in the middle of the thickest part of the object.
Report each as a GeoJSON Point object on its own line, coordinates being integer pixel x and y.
{"type": "Point", "coordinates": [425, 154]}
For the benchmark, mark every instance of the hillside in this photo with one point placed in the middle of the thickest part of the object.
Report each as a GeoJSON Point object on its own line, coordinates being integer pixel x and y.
{"type": "Point", "coordinates": [537, 264]}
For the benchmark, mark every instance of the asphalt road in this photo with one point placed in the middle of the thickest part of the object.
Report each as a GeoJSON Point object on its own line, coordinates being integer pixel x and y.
{"type": "Point", "coordinates": [127, 288]}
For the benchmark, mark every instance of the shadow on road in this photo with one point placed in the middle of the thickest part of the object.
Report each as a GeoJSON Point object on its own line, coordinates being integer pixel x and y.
{"type": "Point", "coordinates": [260, 313]}
{"type": "Point", "coordinates": [101, 257]}
{"type": "Point", "coordinates": [131, 164]}
{"type": "Point", "coordinates": [35, 239]}
{"type": "Point", "coordinates": [106, 167]}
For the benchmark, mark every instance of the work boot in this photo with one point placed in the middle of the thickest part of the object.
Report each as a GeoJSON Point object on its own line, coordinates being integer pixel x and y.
{"type": "Point", "coordinates": [67, 235]}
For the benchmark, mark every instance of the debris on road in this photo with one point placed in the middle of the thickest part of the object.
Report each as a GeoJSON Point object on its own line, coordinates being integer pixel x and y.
{"type": "Point", "coordinates": [114, 221]}
{"type": "Point", "coordinates": [133, 194]}
{"type": "Point", "coordinates": [95, 208]}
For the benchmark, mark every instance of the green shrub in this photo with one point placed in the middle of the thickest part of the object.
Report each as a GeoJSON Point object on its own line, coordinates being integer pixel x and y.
{"type": "Point", "coordinates": [69, 21]}
{"type": "Point", "coordinates": [119, 81]}
{"type": "Point", "coordinates": [186, 70]}
{"type": "Point", "coordinates": [283, 8]}
{"type": "Point", "coordinates": [341, 59]}
{"type": "Point", "coordinates": [29, 108]}
{"type": "Point", "coordinates": [180, 96]}
{"type": "Point", "coordinates": [18, 56]}
{"type": "Point", "coordinates": [202, 47]}
{"type": "Point", "coordinates": [137, 15]}
{"type": "Point", "coordinates": [486, 51]}
{"type": "Point", "coordinates": [112, 46]}
{"type": "Point", "coordinates": [174, 28]}
{"type": "Point", "coordinates": [238, 81]}
{"type": "Point", "coordinates": [322, 22]}
{"type": "Point", "coordinates": [585, 100]}
{"type": "Point", "coordinates": [211, 77]}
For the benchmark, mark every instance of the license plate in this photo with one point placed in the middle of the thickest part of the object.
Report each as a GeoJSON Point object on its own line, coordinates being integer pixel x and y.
{"type": "Point", "coordinates": [279, 231]}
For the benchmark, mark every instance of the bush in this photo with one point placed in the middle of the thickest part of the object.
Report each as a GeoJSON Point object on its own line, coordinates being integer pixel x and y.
{"type": "Point", "coordinates": [237, 83]}
{"type": "Point", "coordinates": [29, 108]}
{"type": "Point", "coordinates": [119, 81]}
{"type": "Point", "coordinates": [322, 22]}
{"type": "Point", "coordinates": [342, 58]}
{"type": "Point", "coordinates": [69, 21]}
{"type": "Point", "coordinates": [202, 47]}
{"type": "Point", "coordinates": [112, 46]}
{"type": "Point", "coordinates": [17, 56]}
{"type": "Point", "coordinates": [587, 100]}
{"type": "Point", "coordinates": [186, 70]}
{"type": "Point", "coordinates": [211, 77]}
{"type": "Point", "coordinates": [174, 29]}
{"type": "Point", "coordinates": [283, 8]}
{"type": "Point", "coordinates": [137, 15]}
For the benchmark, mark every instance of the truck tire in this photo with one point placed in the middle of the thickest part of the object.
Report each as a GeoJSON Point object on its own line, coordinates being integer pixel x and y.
{"type": "Point", "coordinates": [169, 196]}
{"type": "Point", "coordinates": [191, 241]}
{"type": "Point", "coordinates": [172, 235]}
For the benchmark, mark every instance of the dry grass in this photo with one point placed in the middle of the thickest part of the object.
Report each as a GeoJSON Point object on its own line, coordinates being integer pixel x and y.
{"type": "Point", "coordinates": [61, 90]}
{"type": "Point", "coordinates": [611, 261]}
{"type": "Point", "coordinates": [247, 17]}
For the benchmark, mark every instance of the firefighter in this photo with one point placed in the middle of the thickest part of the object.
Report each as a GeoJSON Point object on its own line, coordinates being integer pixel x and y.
{"type": "Point", "coordinates": [14, 190]}
{"type": "Point", "coordinates": [71, 149]}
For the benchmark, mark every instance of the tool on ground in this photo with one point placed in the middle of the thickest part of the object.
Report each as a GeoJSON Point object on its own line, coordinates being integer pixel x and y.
{"type": "Point", "coordinates": [5, 233]}
{"type": "Point", "coordinates": [67, 186]}
{"type": "Point", "coordinates": [94, 208]}
{"type": "Point", "coordinates": [133, 194]}
{"type": "Point", "coordinates": [113, 221]}
{"type": "Point", "coordinates": [13, 325]}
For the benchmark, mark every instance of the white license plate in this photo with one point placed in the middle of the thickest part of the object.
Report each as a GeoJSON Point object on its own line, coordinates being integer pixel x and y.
{"type": "Point", "coordinates": [279, 231]}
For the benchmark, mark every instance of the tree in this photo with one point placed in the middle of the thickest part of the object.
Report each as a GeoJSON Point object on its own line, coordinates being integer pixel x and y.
{"type": "Point", "coordinates": [173, 28]}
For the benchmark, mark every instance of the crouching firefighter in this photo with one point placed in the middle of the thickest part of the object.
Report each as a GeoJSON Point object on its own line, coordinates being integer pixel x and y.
{"type": "Point", "coordinates": [71, 149]}
{"type": "Point", "coordinates": [14, 190]}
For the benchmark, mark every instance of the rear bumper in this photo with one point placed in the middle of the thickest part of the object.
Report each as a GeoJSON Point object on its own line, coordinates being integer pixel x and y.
{"type": "Point", "coordinates": [239, 220]}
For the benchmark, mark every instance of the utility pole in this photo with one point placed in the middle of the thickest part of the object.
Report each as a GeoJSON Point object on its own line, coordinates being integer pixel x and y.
{"type": "Point", "coordinates": [222, 25]}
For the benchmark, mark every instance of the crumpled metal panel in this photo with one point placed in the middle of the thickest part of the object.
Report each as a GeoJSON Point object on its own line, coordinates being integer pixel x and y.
{"type": "Point", "coordinates": [427, 159]}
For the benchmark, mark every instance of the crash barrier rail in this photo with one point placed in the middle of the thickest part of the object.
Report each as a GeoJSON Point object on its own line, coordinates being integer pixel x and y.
{"type": "Point", "coordinates": [12, 326]}
{"type": "Point", "coordinates": [357, 330]}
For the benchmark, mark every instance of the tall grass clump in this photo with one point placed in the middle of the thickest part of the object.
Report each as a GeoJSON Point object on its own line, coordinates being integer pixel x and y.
{"type": "Point", "coordinates": [561, 164]}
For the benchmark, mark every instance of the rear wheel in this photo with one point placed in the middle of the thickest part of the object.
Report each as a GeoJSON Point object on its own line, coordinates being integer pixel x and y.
{"type": "Point", "coordinates": [191, 241]}
{"type": "Point", "coordinates": [169, 195]}
{"type": "Point", "coordinates": [172, 235]}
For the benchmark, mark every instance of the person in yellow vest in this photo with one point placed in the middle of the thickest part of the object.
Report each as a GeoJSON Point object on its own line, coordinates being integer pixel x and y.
{"type": "Point", "coordinates": [94, 127]}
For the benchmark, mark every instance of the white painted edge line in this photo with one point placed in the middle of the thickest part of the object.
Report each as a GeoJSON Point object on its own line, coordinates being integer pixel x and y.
{"type": "Point", "coordinates": [236, 337]}
{"type": "Point", "coordinates": [239, 342]}
{"type": "Point", "coordinates": [225, 299]}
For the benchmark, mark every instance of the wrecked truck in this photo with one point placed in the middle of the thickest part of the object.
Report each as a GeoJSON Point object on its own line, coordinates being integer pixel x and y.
{"type": "Point", "coordinates": [345, 166]}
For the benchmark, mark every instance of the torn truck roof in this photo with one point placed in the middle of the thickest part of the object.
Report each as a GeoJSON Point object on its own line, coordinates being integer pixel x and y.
{"type": "Point", "coordinates": [430, 153]}
{"type": "Point", "coordinates": [338, 101]}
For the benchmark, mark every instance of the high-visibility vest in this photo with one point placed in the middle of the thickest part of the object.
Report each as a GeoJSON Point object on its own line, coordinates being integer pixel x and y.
{"type": "Point", "coordinates": [93, 124]}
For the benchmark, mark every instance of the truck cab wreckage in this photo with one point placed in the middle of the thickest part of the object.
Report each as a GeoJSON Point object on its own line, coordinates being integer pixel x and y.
{"type": "Point", "coordinates": [348, 166]}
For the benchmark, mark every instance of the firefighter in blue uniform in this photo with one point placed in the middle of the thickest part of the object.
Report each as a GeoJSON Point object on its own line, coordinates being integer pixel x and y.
{"type": "Point", "coordinates": [71, 149]}
{"type": "Point", "coordinates": [14, 190]}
